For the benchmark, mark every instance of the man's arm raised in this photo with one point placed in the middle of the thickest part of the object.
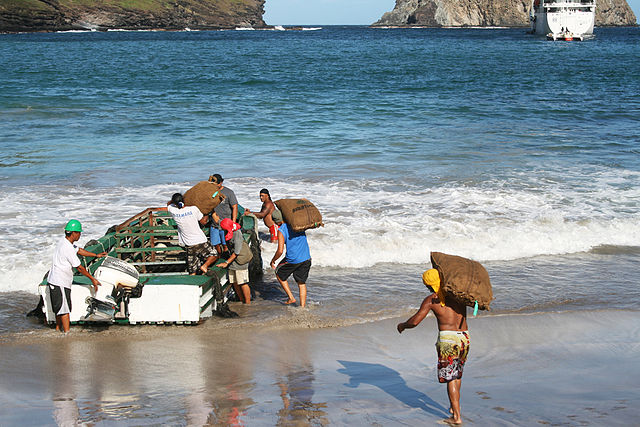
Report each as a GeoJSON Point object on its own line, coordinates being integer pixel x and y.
{"type": "Point", "coordinates": [415, 320]}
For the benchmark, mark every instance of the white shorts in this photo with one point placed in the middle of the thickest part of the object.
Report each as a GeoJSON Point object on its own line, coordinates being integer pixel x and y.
{"type": "Point", "coordinates": [239, 277]}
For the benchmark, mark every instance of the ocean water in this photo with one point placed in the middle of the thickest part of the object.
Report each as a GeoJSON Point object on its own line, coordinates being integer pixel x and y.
{"type": "Point", "coordinates": [490, 144]}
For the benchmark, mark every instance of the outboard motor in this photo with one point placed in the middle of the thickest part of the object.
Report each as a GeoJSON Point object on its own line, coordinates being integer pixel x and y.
{"type": "Point", "coordinates": [119, 280]}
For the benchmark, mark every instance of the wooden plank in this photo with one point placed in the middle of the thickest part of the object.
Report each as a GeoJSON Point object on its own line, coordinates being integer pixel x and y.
{"type": "Point", "coordinates": [135, 250]}
{"type": "Point", "coordinates": [159, 263]}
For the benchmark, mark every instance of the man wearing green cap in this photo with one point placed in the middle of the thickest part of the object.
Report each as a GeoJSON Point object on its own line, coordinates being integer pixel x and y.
{"type": "Point", "coordinates": [60, 278]}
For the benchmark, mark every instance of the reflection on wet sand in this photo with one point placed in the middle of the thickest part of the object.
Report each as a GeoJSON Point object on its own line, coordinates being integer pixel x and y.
{"type": "Point", "coordinates": [176, 379]}
{"type": "Point", "coordinates": [296, 375]}
{"type": "Point", "coordinates": [65, 407]}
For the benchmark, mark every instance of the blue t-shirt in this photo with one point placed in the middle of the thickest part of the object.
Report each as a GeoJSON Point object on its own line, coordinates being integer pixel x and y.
{"type": "Point", "coordinates": [297, 246]}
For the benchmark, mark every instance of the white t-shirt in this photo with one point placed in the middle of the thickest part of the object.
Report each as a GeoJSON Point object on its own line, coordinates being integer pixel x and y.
{"type": "Point", "coordinates": [189, 231]}
{"type": "Point", "coordinates": [65, 258]}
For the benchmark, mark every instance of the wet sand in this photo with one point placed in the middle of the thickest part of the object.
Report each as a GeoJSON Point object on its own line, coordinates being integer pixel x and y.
{"type": "Point", "coordinates": [569, 368]}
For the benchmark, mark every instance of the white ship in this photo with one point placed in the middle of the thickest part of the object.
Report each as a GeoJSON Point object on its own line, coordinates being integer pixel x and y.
{"type": "Point", "coordinates": [563, 19]}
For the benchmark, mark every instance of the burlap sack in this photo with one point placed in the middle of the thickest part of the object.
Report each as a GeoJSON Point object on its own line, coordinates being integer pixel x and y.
{"type": "Point", "coordinates": [463, 279]}
{"type": "Point", "coordinates": [300, 214]}
{"type": "Point", "coordinates": [204, 195]}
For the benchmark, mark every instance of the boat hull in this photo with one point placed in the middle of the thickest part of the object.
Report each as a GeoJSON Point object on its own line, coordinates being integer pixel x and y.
{"type": "Point", "coordinates": [563, 17]}
{"type": "Point", "coordinates": [180, 303]}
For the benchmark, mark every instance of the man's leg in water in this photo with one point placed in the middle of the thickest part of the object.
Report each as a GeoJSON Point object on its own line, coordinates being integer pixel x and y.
{"type": "Point", "coordinates": [246, 293]}
{"type": "Point", "coordinates": [285, 286]}
{"type": "Point", "coordinates": [453, 390]}
{"type": "Point", "coordinates": [62, 323]}
{"type": "Point", "coordinates": [303, 294]}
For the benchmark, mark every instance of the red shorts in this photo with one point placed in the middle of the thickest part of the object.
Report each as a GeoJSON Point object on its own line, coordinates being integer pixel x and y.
{"type": "Point", "coordinates": [274, 233]}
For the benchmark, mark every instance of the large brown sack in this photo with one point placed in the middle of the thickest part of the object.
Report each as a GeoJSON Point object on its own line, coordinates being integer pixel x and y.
{"type": "Point", "coordinates": [300, 214]}
{"type": "Point", "coordinates": [205, 195]}
{"type": "Point", "coordinates": [464, 280]}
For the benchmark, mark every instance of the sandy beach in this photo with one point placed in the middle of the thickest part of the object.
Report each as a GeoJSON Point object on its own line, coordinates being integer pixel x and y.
{"type": "Point", "coordinates": [569, 368]}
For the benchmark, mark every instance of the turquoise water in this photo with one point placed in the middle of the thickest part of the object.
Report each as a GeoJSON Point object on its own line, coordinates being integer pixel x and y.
{"type": "Point", "coordinates": [491, 144]}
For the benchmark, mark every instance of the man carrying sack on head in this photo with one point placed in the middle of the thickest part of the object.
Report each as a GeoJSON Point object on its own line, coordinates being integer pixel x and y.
{"type": "Point", "coordinates": [453, 338]}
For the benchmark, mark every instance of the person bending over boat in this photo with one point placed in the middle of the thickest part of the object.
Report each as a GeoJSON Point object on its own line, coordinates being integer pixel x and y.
{"type": "Point", "coordinates": [297, 260]}
{"type": "Point", "coordinates": [238, 261]}
{"type": "Point", "coordinates": [200, 253]}
{"type": "Point", "coordinates": [453, 341]}
{"type": "Point", "coordinates": [265, 213]}
{"type": "Point", "coordinates": [228, 208]}
{"type": "Point", "coordinates": [60, 278]}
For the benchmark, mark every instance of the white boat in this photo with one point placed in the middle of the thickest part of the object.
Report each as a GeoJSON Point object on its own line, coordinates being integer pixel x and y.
{"type": "Point", "coordinates": [563, 19]}
{"type": "Point", "coordinates": [144, 278]}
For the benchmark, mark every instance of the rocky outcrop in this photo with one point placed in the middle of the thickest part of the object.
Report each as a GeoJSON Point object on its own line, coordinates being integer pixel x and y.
{"type": "Point", "coordinates": [60, 15]}
{"type": "Point", "coordinates": [614, 13]}
{"type": "Point", "coordinates": [488, 13]}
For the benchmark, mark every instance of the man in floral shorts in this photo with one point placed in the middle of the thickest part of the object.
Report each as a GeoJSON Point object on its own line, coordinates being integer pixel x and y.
{"type": "Point", "coordinates": [453, 338]}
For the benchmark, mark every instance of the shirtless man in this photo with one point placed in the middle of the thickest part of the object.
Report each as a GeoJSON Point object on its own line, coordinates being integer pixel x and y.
{"type": "Point", "coordinates": [453, 338]}
{"type": "Point", "coordinates": [265, 214]}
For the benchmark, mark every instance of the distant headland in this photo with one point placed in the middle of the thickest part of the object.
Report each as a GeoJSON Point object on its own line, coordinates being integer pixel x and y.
{"type": "Point", "coordinates": [103, 15]}
{"type": "Point", "coordinates": [488, 13]}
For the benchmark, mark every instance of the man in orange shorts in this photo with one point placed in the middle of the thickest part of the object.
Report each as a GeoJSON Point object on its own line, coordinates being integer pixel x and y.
{"type": "Point", "coordinates": [265, 213]}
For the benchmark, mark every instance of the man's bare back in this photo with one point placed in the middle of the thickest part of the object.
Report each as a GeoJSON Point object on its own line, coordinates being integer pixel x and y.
{"type": "Point", "coordinates": [451, 317]}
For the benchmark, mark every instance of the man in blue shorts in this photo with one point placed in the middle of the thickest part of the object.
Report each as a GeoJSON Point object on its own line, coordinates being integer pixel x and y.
{"type": "Point", "coordinates": [227, 209]}
{"type": "Point", "coordinates": [60, 277]}
{"type": "Point", "coordinates": [297, 260]}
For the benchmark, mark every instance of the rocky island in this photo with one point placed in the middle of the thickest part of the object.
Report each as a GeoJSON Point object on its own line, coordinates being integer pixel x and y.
{"type": "Point", "coordinates": [102, 15]}
{"type": "Point", "coordinates": [488, 13]}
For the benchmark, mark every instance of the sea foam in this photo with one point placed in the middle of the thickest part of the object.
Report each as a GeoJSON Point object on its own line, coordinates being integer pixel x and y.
{"type": "Point", "coordinates": [366, 223]}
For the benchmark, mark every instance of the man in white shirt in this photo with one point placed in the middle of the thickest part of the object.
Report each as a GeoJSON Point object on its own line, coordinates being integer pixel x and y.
{"type": "Point", "coordinates": [60, 277]}
{"type": "Point", "coordinates": [200, 253]}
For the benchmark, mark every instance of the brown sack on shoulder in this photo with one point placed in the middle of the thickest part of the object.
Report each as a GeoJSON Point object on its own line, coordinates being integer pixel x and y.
{"type": "Point", "coordinates": [204, 195]}
{"type": "Point", "coordinates": [465, 280]}
{"type": "Point", "coordinates": [300, 214]}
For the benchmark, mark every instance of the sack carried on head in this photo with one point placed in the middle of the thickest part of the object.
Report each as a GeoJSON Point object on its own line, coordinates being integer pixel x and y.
{"type": "Point", "coordinates": [204, 195]}
{"type": "Point", "coordinates": [464, 280]}
{"type": "Point", "coordinates": [300, 214]}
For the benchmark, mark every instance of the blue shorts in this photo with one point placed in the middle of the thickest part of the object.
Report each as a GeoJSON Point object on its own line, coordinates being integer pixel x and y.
{"type": "Point", "coordinates": [216, 236]}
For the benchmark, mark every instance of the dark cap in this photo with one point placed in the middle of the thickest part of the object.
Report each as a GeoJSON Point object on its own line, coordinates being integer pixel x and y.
{"type": "Point", "coordinates": [177, 200]}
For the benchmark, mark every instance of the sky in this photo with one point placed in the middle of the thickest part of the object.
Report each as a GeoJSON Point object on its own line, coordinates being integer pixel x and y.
{"type": "Point", "coordinates": [341, 12]}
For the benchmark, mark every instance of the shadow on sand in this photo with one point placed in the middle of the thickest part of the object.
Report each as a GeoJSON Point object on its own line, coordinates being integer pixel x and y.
{"type": "Point", "coordinates": [390, 381]}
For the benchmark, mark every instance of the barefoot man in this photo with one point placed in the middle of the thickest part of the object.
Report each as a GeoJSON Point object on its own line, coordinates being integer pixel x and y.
{"type": "Point", "coordinates": [60, 277]}
{"type": "Point", "coordinates": [297, 261]}
{"type": "Point", "coordinates": [265, 213]}
{"type": "Point", "coordinates": [453, 338]}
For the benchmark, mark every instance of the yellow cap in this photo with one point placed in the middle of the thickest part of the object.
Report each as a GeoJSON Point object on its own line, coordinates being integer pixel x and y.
{"type": "Point", "coordinates": [431, 278]}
